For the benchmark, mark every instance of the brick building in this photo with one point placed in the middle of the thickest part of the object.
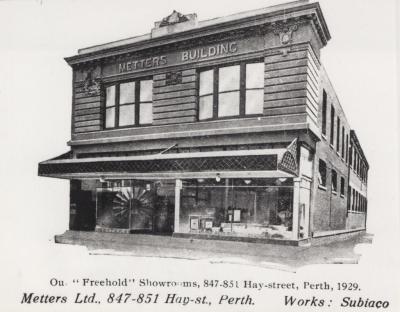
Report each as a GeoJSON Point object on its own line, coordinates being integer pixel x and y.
{"type": "Point", "coordinates": [225, 129]}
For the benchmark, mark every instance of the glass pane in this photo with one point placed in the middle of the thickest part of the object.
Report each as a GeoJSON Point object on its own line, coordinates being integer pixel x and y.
{"type": "Point", "coordinates": [229, 78]}
{"type": "Point", "coordinates": [146, 113]}
{"type": "Point", "coordinates": [206, 107]}
{"type": "Point", "coordinates": [127, 92]}
{"type": "Point", "coordinates": [127, 115]}
{"type": "Point", "coordinates": [251, 208]}
{"type": "Point", "coordinates": [110, 117]}
{"type": "Point", "coordinates": [124, 207]}
{"type": "Point", "coordinates": [228, 104]}
{"type": "Point", "coordinates": [110, 96]}
{"type": "Point", "coordinates": [255, 75]}
{"type": "Point", "coordinates": [206, 82]}
{"type": "Point", "coordinates": [146, 90]}
{"type": "Point", "coordinates": [254, 101]}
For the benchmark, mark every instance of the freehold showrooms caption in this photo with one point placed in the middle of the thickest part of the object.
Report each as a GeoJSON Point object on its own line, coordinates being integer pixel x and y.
{"type": "Point", "coordinates": [144, 291]}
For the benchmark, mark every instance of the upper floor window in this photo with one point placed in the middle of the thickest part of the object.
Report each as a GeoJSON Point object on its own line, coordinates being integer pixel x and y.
{"type": "Point", "coordinates": [342, 150]}
{"type": "Point", "coordinates": [332, 136]}
{"type": "Point", "coordinates": [322, 173]}
{"type": "Point", "coordinates": [129, 104]}
{"type": "Point", "coordinates": [230, 91]}
{"type": "Point", "coordinates": [324, 103]}
{"type": "Point", "coordinates": [338, 135]}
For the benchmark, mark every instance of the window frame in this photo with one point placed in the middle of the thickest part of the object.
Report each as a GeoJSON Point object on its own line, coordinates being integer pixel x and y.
{"type": "Point", "coordinates": [322, 181]}
{"type": "Point", "coordinates": [137, 102]}
{"type": "Point", "coordinates": [342, 186]}
{"type": "Point", "coordinates": [338, 135]}
{"type": "Point", "coordinates": [215, 94]}
{"type": "Point", "coordinates": [342, 153]}
{"type": "Point", "coordinates": [332, 126]}
{"type": "Point", "coordinates": [334, 185]}
{"type": "Point", "coordinates": [324, 112]}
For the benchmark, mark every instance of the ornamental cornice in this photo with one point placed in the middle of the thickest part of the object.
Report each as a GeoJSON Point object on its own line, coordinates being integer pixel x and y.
{"type": "Point", "coordinates": [258, 23]}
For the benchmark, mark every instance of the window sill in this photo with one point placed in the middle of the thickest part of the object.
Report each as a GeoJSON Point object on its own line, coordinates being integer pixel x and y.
{"type": "Point", "coordinates": [323, 136]}
{"type": "Point", "coordinates": [334, 192]}
{"type": "Point", "coordinates": [342, 195]}
{"type": "Point", "coordinates": [127, 127]}
{"type": "Point", "coordinates": [321, 187]}
{"type": "Point", "coordinates": [238, 117]}
{"type": "Point", "coordinates": [331, 145]}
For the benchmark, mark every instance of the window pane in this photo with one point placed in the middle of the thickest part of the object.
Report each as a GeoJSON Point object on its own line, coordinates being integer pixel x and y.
{"type": "Point", "coordinates": [228, 104]}
{"type": "Point", "coordinates": [334, 181]}
{"type": "Point", "coordinates": [146, 90]}
{"type": "Point", "coordinates": [146, 113]}
{"type": "Point", "coordinates": [127, 115]}
{"type": "Point", "coordinates": [127, 92]}
{"type": "Point", "coordinates": [255, 75]}
{"type": "Point", "coordinates": [229, 78]}
{"type": "Point", "coordinates": [254, 101]}
{"type": "Point", "coordinates": [322, 172]}
{"type": "Point", "coordinates": [206, 107]}
{"type": "Point", "coordinates": [110, 96]}
{"type": "Point", "coordinates": [206, 82]}
{"type": "Point", "coordinates": [110, 117]}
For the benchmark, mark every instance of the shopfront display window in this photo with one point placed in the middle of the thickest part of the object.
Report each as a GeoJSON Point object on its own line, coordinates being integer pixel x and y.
{"type": "Point", "coordinates": [238, 207]}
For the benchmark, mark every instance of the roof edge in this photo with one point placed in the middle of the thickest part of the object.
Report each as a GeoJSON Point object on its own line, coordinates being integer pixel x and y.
{"type": "Point", "coordinates": [237, 20]}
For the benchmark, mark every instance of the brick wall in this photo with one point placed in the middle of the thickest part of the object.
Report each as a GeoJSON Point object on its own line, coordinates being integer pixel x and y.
{"type": "Point", "coordinates": [175, 102]}
{"type": "Point", "coordinates": [329, 208]}
{"type": "Point", "coordinates": [291, 84]}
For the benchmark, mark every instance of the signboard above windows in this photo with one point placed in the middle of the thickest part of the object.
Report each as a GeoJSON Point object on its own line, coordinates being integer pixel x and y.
{"type": "Point", "coordinates": [200, 53]}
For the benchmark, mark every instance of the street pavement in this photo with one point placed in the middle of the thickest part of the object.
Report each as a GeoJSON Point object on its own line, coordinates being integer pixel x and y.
{"type": "Point", "coordinates": [266, 255]}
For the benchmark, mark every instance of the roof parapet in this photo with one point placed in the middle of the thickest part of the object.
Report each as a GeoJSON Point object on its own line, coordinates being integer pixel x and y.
{"type": "Point", "coordinates": [178, 26]}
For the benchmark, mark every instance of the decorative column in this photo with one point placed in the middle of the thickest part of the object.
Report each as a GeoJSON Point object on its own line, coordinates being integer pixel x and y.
{"type": "Point", "coordinates": [296, 207]}
{"type": "Point", "coordinates": [178, 187]}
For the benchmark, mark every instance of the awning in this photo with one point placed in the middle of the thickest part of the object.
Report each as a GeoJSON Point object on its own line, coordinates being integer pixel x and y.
{"type": "Point", "coordinates": [236, 163]}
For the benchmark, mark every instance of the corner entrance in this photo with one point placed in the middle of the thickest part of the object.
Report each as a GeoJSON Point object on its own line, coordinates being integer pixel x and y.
{"type": "Point", "coordinates": [126, 206]}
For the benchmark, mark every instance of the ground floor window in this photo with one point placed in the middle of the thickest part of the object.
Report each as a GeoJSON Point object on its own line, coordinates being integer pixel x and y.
{"type": "Point", "coordinates": [227, 207]}
{"type": "Point", "coordinates": [127, 205]}
{"type": "Point", "coordinates": [250, 207]}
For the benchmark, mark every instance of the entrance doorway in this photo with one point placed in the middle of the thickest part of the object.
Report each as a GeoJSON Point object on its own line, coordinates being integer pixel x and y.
{"type": "Point", "coordinates": [135, 206]}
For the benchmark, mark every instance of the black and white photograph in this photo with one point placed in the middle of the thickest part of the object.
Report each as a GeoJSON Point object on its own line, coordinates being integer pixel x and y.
{"type": "Point", "coordinates": [199, 156]}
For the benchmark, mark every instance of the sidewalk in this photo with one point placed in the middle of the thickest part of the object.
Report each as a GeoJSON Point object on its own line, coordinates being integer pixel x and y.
{"type": "Point", "coordinates": [145, 245]}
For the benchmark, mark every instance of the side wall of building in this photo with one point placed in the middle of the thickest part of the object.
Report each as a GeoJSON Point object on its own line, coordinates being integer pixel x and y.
{"type": "Point", "coordinates": [330, 205]}
{"type": "Point", "coordinates": [358, 179]}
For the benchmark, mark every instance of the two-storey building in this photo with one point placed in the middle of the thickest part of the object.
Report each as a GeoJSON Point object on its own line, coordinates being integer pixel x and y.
{"type": "Point", "coordinates": [226, 129]}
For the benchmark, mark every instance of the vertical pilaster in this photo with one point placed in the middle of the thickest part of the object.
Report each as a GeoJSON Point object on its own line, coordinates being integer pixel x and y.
{"type": "Point", "coordinates": [178, 187]}
{"type": "Point", "coordinates": [296, 207]}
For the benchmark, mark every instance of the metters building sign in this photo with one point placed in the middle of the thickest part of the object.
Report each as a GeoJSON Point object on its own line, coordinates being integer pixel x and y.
{"type": "Point", "coordinates": [190, 55]}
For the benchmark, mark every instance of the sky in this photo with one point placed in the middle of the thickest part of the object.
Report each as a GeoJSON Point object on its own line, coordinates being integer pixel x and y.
{"type": "Point", "coordinates": [35, 93]}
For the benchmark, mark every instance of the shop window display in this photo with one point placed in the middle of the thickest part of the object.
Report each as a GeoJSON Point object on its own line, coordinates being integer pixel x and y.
{"type": "Point", "coordinates": [241, 207]}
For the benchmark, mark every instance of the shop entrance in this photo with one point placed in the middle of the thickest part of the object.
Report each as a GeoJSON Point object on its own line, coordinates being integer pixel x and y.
{"type": "Point", "coordinates": [134, 206]}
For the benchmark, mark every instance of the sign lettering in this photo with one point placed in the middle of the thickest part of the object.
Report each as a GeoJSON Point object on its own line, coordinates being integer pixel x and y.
{"type": "Point", "coordinates": [216, 50]}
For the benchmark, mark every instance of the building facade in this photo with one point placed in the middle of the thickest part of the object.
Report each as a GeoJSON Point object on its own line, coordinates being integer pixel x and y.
{"type": "Point", "coordinates": [225, 129]}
